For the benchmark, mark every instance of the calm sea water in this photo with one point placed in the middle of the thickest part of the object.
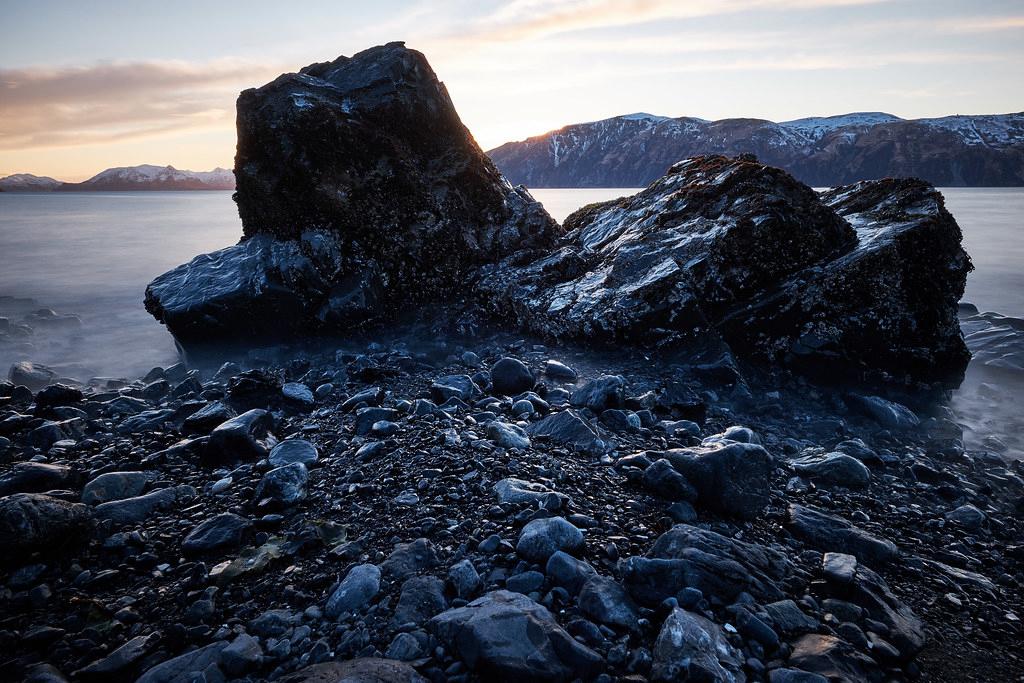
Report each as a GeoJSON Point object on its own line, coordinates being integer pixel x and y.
{"type": "Point", "coordinates": [92, 254]}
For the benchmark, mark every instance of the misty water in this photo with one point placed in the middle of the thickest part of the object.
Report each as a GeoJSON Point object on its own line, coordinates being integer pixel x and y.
{"type": "Point", "coordinates": [92, 254]}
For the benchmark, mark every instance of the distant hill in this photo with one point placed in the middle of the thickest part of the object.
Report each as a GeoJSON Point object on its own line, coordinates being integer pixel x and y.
{"type": "Point", "coordinates": [127, 178]}
{"type": "Point", "coordinates": [633, 150]}
{"type": "Point", "coordinates": [26, 182]}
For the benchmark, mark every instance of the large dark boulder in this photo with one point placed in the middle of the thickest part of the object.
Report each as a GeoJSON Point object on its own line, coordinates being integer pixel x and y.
{"type": "Point", "coordinates": [889, 302]}
{"type": "Point", "coordinates": [731, 477]}
{"type": "Point", "coordinates": [506, 636]}
{"type": "Point", "coordinates": [863, 277]}
{"type": "Point", "coordinates": [361, 193]}
{"type": "Point", "coordinates": [719, 566]}
{"type": "Point", "coordinates": [710, 234]}
{"type": "Point", "coordinates": [32, 521]}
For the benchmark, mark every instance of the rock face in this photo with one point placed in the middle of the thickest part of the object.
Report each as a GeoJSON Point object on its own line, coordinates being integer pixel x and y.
{"type": "Point", "coordinates": [360, 192]}
{"type": "Point", "coordinates": [890, 302]}
{"type": "Point", "coordinates": [867, 276]}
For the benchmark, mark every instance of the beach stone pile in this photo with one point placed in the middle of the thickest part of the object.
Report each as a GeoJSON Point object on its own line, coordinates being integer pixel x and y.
{"type": "Point", "coordinates": [393, 530]}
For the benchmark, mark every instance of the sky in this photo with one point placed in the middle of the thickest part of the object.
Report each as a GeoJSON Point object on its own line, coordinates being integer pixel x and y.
{"type": "Point", "coordinates": [89, 85]}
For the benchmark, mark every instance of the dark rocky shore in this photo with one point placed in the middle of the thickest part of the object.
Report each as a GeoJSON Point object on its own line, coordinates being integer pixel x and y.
{"type": "Point", "coordinates": [699, 434]}
{"type": "Point", "coordinates": [798, 527]}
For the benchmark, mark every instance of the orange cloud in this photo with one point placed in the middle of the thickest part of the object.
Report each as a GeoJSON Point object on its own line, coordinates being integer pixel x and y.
{"type": "Point", "coordinates": [54, 107]}
{"type": "Point", "coordinates": [526, 19]}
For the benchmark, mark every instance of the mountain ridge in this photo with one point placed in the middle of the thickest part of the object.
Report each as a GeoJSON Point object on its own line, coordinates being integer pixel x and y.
{"type": "Point", "coordinates": [144, 177]}
{"type": "Point", "coordinates": [632, 150]}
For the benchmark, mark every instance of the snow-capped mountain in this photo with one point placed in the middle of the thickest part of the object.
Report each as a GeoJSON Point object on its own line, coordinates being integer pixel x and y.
{"type": "Point", "coordinates": [817, 127]}
{"type": "Point", "coordinates": [144, 177]}
{"type": "Point", "coordinates": [149, 177]}
{"type": "Point", "coordinates": [633, 150]}
{"type": "Point", "coordinates": [26, 182]}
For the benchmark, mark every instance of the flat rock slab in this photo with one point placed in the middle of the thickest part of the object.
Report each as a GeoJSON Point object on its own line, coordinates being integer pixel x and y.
{"type": "Point", "coordinates": [139, 508]}
{"type": "Point", "coordinates": [720, 567]}
{"type": "Point", "coordinates": [831, 533]}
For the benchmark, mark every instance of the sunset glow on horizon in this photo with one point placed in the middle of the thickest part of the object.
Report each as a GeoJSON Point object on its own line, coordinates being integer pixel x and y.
{"type": "Point", "coordinates": [86, 88]}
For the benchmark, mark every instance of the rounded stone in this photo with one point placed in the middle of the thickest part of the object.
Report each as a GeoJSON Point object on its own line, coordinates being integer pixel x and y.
{"type": "Point", "coordinates": [510, 376]}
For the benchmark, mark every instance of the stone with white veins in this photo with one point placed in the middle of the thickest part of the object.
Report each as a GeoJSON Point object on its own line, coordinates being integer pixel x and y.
{"type": "Point", "coordinates": [283, 486]}
{"type": "Point", "coordinates": [507, 435]}
{"type": "Point", "coordinates": [691, 647]}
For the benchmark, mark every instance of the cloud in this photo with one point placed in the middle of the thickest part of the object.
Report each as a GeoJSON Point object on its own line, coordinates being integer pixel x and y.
{"type": "Point", "coordinates": [81, 105]}
{"type": "Point", "coordinates": [981, 24]}
{"type": "Point", "coordinates": [528, 19]}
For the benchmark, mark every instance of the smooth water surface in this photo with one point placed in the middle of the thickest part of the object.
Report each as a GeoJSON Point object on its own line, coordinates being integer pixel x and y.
{"type": "Point", "coordinates": [92, 254]}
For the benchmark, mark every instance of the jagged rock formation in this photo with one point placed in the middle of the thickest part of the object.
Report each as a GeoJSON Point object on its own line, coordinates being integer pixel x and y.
{"type": "Point", "coordinates": [890, 302]}
{"type": "Point", "coordinates": [361, 194]}
{"type": "Point", "coordinates": [634, 150]}
{"type": "Point", "coordinates": [867, 276]}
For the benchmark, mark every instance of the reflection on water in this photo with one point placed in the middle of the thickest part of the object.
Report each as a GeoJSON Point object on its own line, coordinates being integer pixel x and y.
{"type": "Point", "coordinates": [92, 254]}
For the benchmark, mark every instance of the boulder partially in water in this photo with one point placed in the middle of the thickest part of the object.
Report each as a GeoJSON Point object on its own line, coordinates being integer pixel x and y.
{"type": "Point", "coordinates": [866, 276]}
{"type": "Point", "coordinates": [361, 194]}
{"type": "Point", "coordinates": [362, 197]}
{"type": "Point", "coordinates": [889, 302]}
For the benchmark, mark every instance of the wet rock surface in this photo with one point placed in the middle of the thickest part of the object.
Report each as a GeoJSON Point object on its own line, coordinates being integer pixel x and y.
{"type": "Point", "coordinates": [866, 276]}
{"type": "Point", "coordinates": [360, 192]}
{"type": "Point", "coordinates": [421, 543]}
